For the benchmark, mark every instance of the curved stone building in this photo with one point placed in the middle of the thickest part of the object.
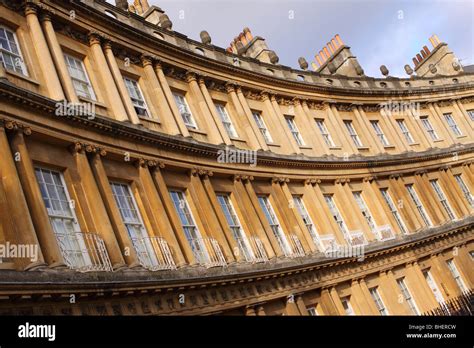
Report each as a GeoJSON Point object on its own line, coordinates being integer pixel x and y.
{"type": "Point", "coordinates": [143, 172]}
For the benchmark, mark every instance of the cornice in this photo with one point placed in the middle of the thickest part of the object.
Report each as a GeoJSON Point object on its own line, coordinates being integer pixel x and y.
{"type": "Point", "coordinates": [183, 54]}
{"type": "Point", "coordinates": [105, 125]}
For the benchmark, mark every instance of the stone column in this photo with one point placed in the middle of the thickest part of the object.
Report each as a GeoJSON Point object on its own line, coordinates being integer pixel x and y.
{"type": "Point", "coordinates": [419, 288]}
{"type": "Point", "coordinates": [389, 287]}
{"type": "Point", "coordinates": [95, 204]}
{"type": "Point", "coordinates": [288, 215]}
{"type": "Point", "coordinates": [42, 52]}
{"type": "Point", "coordinates": [438, 118]}
{"type": "Point", "coordinates": [263, 220]}
{"type": "Point", "coordinates": [291, 306]}
{"type": "Point", "coordinates": [212, 136]}
{"type": "Point", "coordinates": [39, 214]}
{"type": "Point", "coordinates": [213, 112]}
{"type": "Point", "coordinates": [302, 111]}
{"type": "Point", "coordinates": [358, 299]}
{"type": "Point", "coordinates": [336, 120]}
{"type": "Point", "coordinates": [397, 194]}
{"type": "Point", "coordinates": [248, 211]}
{"type": "Point", "coordinates": [328, 305]}
{"type": "Point", "coordinates": [167, 122]}
{"type": "Point", "coordinates": [248, 114]}
{"type": "Point", "coordinates": [170, 99]}
{"type": "Point", "coordinates": [173, 217]}
{"type": "Point", "coordinates": [284, 127]}
{"type": "Point", "coordinates": [207, 214]}
{"type": "Point", "coordinates": [368, 130]}
{"type": "Point", "coordinates": [462, 119]}
{"type": "Point", "coordinates": [368, 297]}
{"type": "Point", "coordinates": [375, 203]}
{"type": "Point", "coordinates": [301, 305]}
{"type": "Point", "coordinates": [118, 226]}
{"type": "Point", "coordinates": [155, 209]}
{"type": "Point", "coordinates": [453, 192]}
{"type": "Point", "coordinates": [115, 104]}
{"type": "Point", "coordinates": [337, 301]}
{"type": "Point", "coordinates": [430, 202]}
{"type": "Point", "coordinates": [463, 112]}
{"type": "Point", "coordinates": [14, 206]}
{"type": "Point", "coordinates": [468, 175]}
{"type": "Point", "coordinates": [251, 137]}
{"type": "Point", "coordinates": [118, 78]}
{"type": "Point", "coordinates": [58, 58]}
{"type": "Point", "coordinates": [215, 206]}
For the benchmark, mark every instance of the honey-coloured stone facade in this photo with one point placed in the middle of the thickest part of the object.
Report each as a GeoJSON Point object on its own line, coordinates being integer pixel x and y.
{"type": "Point", "coordinates": [151, 174]}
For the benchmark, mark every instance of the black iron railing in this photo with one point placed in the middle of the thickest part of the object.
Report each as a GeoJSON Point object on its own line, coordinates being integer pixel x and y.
{"type": "Point", "coordinates": [461, 305]}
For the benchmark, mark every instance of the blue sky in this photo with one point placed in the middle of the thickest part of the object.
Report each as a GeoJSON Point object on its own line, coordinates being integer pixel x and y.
{"type": "Point", "coordinates": [379, 32]}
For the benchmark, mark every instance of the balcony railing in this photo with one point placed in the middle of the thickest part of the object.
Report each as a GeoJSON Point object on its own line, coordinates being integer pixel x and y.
{"type": "Point", "coordinates": [356, 238]}
{"type": "Point", "coordinates": [154, 253]}
{"type": "Point", "coordinates": [296, 247]}
{"type": "Point", "coordinates": [252, 249]}
{"type": "Point", "coordinates": [207, 252]}
{"type": "Point", "coordinates": [329, 243]}
{"type": "Point", "coordinates": [461, 305]}
{"type": "Point", "coordinates": [384, 232]}
{"type": "Point", "coordinates": [84, 252]}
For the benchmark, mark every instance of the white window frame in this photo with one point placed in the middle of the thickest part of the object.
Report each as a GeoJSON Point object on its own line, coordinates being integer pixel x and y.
{"type": "Point", "coordinates": [408, 296]}
{"type": "Point", "coordinates": [325, 132]}
{"type": "Point", "coordinates": [133, 221]}
{"type": "Point", "coordinates": [393, 209]}
{"type": "Point", "coordinates": [471, 114]}
{"type": "Point", "coordinates": [257, 116]}
{"type": "Point", "coordinates": [433, 286]}
{"type": "Point", "coordinates": [346, 304]}
{"type": "Point", "coordinates": [353, 134]}
{"type": "Point", "coordinates": [84, 81]}
{"type": "Point", "coordinates": [235, 226]}
{"type": "Point", "coordinates": [405, 131]}
{"type": "Point", "coordinates": [274, 223]}
{"type": "Point", "coordinates": [419, 205]}
{"type": "Point", "coordinates": [465, 190]}
{"type": "Point", "coordinates": [70, 238]}
{"type": "Point", "coordinates": [17, 57]}
{"type": "Point", "coordinates": [336, 214]}
{"type": "Point", "coordinates": [184, 110]}
{"type": "Point", "coordinates": [375, 294]}
{"type": "Point", "coordinates": [226, 120]}
{"type": "Point", "coordinates": [452, 124]}
{"type": "Point", "coordinates": [443, 199]}
{"type": "Point", "coordinates": [301, 208]}
{"type": "Point", "coordinates": [290, 121]}
{"type": "Point", "coordinates": [364, 209]}
{"type": "Point", "coordinates": [429, 128]}
{"type": "Point", "coordinates": [379, 132]}
{"type": "Point", "coordinates": [138, 101]}
{"type": "Point", "coordinates": [456, 275]}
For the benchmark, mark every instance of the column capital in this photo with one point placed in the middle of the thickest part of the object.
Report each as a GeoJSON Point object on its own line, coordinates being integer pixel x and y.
{"type": "Point", "coordinates": [264, 95]}
{"type": "Point", "coordinates": [467, 163]}
{"type": "Point", "coordinates": [31, 8]}
{"type": "Point", "coordinates": [94, 38]}
{"type": "Point", "coordinates": [243, 178]}
{"type": "Point", "coordinates": [342, 181]}
{"type": "Point", "coordinates": [79, 147]}
{"type": "Point", "coordinates": [396, 176]}
{"type": "Point", "coordinates": [279, 180]}
{"type": "Point", "coordinates": [231, 86]}
{"type": "Point", "coordinates": [312, 181]}
{"type": "Point", "coordinates": [444, 168]}
{"type": "Point", "coordinates": [147, 60]}
{"type": "Point", "coordinates": [421, 172]}
{"type": "Point", "coordinates": [369, 178]}
{"type": "Point", "coordinates": [191, 76]}
{"type": "Point", "coordinates": [46, 15]}
{"type": "Point", "coordinates": [107, 44]}
{"type": "Point", "coordinates": [201, 172]}
{"type": "Point", "coordinates": [14, 126]}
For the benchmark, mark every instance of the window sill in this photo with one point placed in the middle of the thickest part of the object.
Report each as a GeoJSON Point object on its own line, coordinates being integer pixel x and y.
{"type": "Point", "coordinates": [363, 148]}
{"type": "Point", "coordinates": [389, 147]}
{"type": "Point", "coordinates": [238, 139]}
{"type": "Point", "coordinates": [149, 119]}
{"type": "Point", "coordinates": [305, 147]}
{"type": "Point", "coordinates": [22, 77]}
{"type": "Point", "coordinates": [414, 144]}
{"type": "Point", "coordinates": [273, 144]}
{"type": "Point", "coordinates": [438, 140]}
{"type": "Point", "coordinates": [461, 136]}
{"type": "Point", "coordinates": [95, 102]}
{"type": "Point", "coordinates": [197, 131]}
{"type": "Point", "coordinates": [335, 148]}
